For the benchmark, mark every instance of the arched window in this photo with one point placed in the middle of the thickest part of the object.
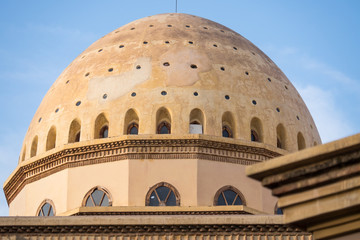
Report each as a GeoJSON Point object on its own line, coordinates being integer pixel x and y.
{"type": "Point", "coordinates": [74, 131]}
{"type": "Point", "coordinates": [278, 210]}
{"type": "Point", "coordinates": [133, 129]}
{"type": "Point", "coordinates": [226, 132]}
{"type": "Point", "coordinates": [228, 125]}
{"type": "Point", "coordinates": [301, 141]}
{"type": "Point", "coordinates": [51, 139]}
{"type": "Point", "coordinates": [163, 121]}
{"type": "Point", "coordinates": [101, 126]}
{"type": "Point", "coordinates": [34, 145]}
{"type": "Point", "coordinates": [254, 136]}
{"type": "Point", "coordinates": [131, 123]}
{"type": "Point", "coordinates": [280, 136]}
{"type": "Point", "coordinates": [46, 209]}
{"type": "Point", "coordinates": [256, 130]}
{"type": "Point", "coordinates": [227, 196]}
{"type": "Point", "coordinates": [104, 132]}
{"type": "Point", "coordinates": [196, 121]}
{"type": "Point", "coordinates": [164, 128]}
{"type": "Point", "coordinates": [279, 143]}
{"type": "Point", "coordinates": [77, 137]}
{"type": "Point", "coordinates": [162, 194]}
{"type": "Point", "coordinates": [97, 196]}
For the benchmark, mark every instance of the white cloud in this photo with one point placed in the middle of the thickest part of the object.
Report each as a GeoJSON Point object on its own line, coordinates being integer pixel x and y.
{"type": "Point", "coordinates": [328, 117]}
{"type": "Point", "coordinates": [331, 73]}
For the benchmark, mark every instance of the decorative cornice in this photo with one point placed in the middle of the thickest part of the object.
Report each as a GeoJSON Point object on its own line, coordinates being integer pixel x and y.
{"type": "Point", "coordinates": [128, 149]}
{"type": "Point", "coordinates": [233, 229]}
{"type": "Point", "coordinates": [153, 226]}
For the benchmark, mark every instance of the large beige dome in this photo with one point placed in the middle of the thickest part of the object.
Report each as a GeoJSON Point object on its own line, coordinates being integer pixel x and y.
{"type": "Point", "coordinates": [174, 69]}
{"type": "Point", "coordinates": [160, 53]}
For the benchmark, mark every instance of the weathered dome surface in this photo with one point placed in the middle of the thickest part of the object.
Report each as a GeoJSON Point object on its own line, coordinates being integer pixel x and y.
{"type": "Point", "coordinates": [180, 54]}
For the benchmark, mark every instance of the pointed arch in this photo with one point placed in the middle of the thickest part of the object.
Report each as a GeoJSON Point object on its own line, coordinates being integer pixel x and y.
{"type": "Point", "coordinates": [51, 138]}
{"type": "Point", "coordinates": [256, 130]}
{"type": "Point", "coordinates": [301, 141]}
{"type": "Point", "coordinates": [46, 209]}
{"type": "Point", "coordinates": [229, 195]}
{"type": "Point", "coordinates": [281, 136]}
{"type": "Point", "coordinates": [162, 194]}
{"type": "Point", "coordinates": [34, 146]}
{"type": "Point", "coordinates": [163, 121]}
{"type": "Point", "coordinates": [196, 121]}
{"type": "Point", "coordinates": [101, 129]}
{"type": "Point", "coordinates": [74, 131]}
{"type": "Point", "coordinates": [228, 125]}
{"type": "Point", "coordinates": [97, 196]}
{"type": "Point", "coordinates": [131, 122]}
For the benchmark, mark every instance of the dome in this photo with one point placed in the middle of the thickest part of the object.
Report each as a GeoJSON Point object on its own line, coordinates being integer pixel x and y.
{"type": "Point", "coordinates": [170, 73]}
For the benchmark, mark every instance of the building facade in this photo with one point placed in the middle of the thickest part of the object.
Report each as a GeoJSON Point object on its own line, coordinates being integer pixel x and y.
{"type": "Point", "coordinates": [161, 117]}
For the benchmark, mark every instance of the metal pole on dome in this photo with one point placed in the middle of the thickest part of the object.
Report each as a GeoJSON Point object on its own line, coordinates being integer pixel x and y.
{"type": "Point", "coordinates": [176, 6]}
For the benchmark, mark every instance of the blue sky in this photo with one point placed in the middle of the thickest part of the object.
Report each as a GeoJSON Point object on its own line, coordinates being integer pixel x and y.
{"type": "Point", "coordinates": [315, 43]}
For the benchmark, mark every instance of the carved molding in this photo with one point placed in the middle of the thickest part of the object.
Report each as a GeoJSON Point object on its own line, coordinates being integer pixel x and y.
{"type": "Point", "coordinates": [134, 149]}
{"type": "Point", "coordinates": [199, 230]}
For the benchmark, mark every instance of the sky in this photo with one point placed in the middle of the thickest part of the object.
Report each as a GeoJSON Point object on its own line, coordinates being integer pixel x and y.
{"type": "Point", "coordinates": [315, 43]}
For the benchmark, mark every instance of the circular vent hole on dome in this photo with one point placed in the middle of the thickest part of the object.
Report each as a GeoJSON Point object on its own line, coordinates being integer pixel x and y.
{"type": "Point", "coordinates": [83, 57]}
{"type": "Point", "coordinates": [132, 28]}
{"type": "Point", "coordinates": [196, 93]}
{"type": "Point", "coordinates": [110, 69]}
{"type": "Point", "coordinates": [67, 81]}
{"type": "Point", "coordinates": [297, 117]}
{"type": "Point", "coordinates": [163, 93]}
{"type": "Point", "coordinates": [56, 110]}
{"type": "Point", "coordinates": [145, 42]}
{"type": "Point", "coordinates": [222, 69]}
{"type": "Point", "coordinates": [205, 28]}
{"type": "Point", "coordinates": [286, 87]}
{"type": "Point", "coordinates": [214, 45]}
{"type": "Point", "coordinates": [151, 25]}
{"type": "Point", "coordinates": [193, 66]}
{"type": "Point", "coordinates": [167, 42]}
{"type": "Point", "coordinates": [166, 64]}
{"type": "Point", "coordinates": [227, 97]}
{"type": "Point", "coordinates": [191, 42]}
{"type": "Point", "coordinates": [133, 94]}
{"type": "Point", "coordinates": [247, 73]}
{"type": "Point", "coordinates": [100, 50]}
{"type": "Point", "coordinates": [138, 67]}
{"type": "Point", "coordinates": [121, 46]}
{"type": "Point", "coordinates": [169, 25]}
{"type": "Point", "coordinates": [222, 31]}
{"type": "Point", "coordinates": [105, 96]}
{"type": "Point", "coordinates": [253, 53]}
{"type": "Point", "coordinates": [40, 119]}
{"type": "Point", "coordinates": [187, 26]}
{"type": "Point", "coordinates": [269, 79]}
{"type": "Point", "coordinates": [78, 103]}
{"type": "Point", "coordinates": [311, 126]}
{"type": "Point", "coordinates": [254, 102]}
{"type": "Point", "coordinates": [116, 31]}
{"type": "Point", "coordinates": [87, 74]}
{"type": "Point", "coordinates": [278, 109]}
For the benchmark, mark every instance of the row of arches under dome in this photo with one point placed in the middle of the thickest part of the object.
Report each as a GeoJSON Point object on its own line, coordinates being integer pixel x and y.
{"type": "Point", "coordinates": [161, 194]}
{"type": "Point", "coordinates": [197, 125]}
